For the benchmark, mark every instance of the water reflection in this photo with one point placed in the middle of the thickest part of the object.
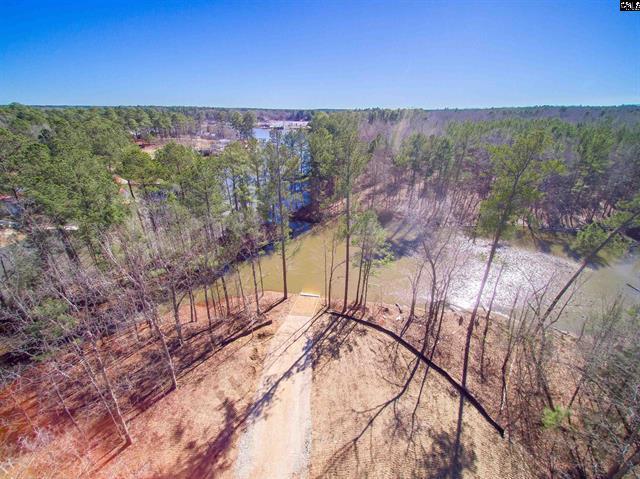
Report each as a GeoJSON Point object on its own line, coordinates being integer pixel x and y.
{"type": "Point", "coordinates": [525, 268]}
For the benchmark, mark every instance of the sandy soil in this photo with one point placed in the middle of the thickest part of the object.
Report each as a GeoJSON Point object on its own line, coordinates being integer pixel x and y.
{"type": "Point", "coordinates": [193, 142]}
{"type": "Point", "coordinates": [356, 435]}
{"type": "Point", "coordinates": [9, 236]}
{"type": "Point", "coordinates": [276, 443]}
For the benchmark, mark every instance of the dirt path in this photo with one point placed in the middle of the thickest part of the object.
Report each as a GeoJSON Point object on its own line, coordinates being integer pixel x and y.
{"type": "Point", "coordinates": [277, 442]}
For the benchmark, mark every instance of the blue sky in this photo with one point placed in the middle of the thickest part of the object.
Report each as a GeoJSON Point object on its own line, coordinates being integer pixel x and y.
{"type": "Point", "coordinates": [319, 54]}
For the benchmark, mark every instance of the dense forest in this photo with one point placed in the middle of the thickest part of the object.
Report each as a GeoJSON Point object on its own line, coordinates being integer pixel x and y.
{"type": "Point", "coordinates": [111, 240]}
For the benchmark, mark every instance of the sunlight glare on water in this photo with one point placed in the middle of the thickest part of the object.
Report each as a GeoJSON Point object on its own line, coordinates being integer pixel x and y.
{"type": "Point", "coordinates": [525, 269]}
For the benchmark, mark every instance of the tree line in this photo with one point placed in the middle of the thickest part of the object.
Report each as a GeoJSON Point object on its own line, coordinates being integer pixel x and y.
{"type": "Point", "coordinates": [111, 234]}
{"type": "Point", "coordinates": [144, 122]}
{"type": "Point", "coordinates": [490, 178]}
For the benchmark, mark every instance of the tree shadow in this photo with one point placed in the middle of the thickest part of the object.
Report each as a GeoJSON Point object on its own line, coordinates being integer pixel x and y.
{"type": "Point", "coordinates": [211, 460]}
{"type": "Point", "coordinates": [546, 244]}
{"type": "Point", "coordinates": [447, 457]}
{"type": "Point", "coordinates": [139, 375]}
{"type": "Point", "coordinates": [437, 463]}
{"type": "Point", "coordinates": [404, 246]}
{"type": "Point", "coordinates": [541, 244]}
{"type": "Point", "coordinates": [331, 342]}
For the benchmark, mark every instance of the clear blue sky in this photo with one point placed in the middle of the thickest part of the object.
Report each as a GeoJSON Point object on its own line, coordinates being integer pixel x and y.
{"type": "Point", "coordinates": [319, 54]}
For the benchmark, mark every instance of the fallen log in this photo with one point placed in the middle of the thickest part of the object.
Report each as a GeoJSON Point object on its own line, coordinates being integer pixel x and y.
{"type": "Point", "coordinates": [456, 385]}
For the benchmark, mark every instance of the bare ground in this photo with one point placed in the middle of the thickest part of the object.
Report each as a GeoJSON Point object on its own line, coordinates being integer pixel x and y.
{"type": "Point", "coordinates": [276, 443]}
{"type": "Point", "coordinates": [360, 431]}
{"type": "Point", "coordinates": [185, 433]}
{"type": "Point", "coordinates": [198, 430]}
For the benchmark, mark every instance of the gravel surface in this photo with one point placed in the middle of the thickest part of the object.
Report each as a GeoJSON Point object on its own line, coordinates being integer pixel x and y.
{"type": "Point", "coordinates": [277, 441]}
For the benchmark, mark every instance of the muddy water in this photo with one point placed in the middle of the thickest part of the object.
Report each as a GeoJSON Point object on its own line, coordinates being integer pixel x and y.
{"type": "Point", "coordinates": [527, 265]}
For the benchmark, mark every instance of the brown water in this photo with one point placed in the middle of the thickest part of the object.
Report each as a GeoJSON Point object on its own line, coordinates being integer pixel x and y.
{"type": "Point", "coordinates": [527, 266]}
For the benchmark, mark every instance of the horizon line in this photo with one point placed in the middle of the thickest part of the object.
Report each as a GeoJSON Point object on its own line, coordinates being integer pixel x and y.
{"type": "Point", "coordinates": [78, 105]}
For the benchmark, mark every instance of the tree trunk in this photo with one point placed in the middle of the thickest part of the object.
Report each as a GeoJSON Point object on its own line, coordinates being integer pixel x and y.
{"type": "Point", "coordinates": [474, 314]}
{"type": "Point", "coordinates": [213, 299]}
{"type": "Point", "coordinates": [226, 294]}
{"type": "Point", "coordinates": [331, 270]}
{"type": "Point", "coordinates": [65, 408]}
{"type": "Point", "coordinates": [255, 286]}
{"type": "Point", "coordinates": [366, 283]}
{"type": "Point", "coordinates": [124, 429]}
{"type": "Point", "coordinates": [19, 406]}
{"type": "Point", "coordinates": [206, 303]}
{"type": "Point", "coordinates": [584, 264]}
{"type": "Point", "coordinates": [358, 297]}
{"type": "Point", "coordinates": [176, 314]}
{"type": "Point", "coordinates": [467, 348]}
{"type": "Point", "coordinates": [282, 236]}
{"type": "Point", "coordinates": [165, 349]}
{"type": "Point", "coordinates": [241, 289]}
{"type": "Point", "coordinates": [93, 380]}
{"type": "Point", "coordinates": [192, 301]}
{"type": "Point", "coordinates": [218, 298]}
{"type": "Point", "coordinates": [131, 190]}
{"type": "Point", "coordinates": [261, 277]}
{"type": "Point", "coordinates": [324, 249]}
{"type": "Point", "coordinates": [68, 246]}
{"type": "Point", "coordinates": [507, 356]}
{"type": "Point", "coordinates": [486, 323]}
{"type": "Point", "coordinates": [346, 252]}
{"type": "Point", "coordinates": [414, 291]}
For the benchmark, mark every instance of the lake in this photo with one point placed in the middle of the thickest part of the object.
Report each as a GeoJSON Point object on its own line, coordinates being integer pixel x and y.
{"type": "Point", "coordinates": [526, 265]}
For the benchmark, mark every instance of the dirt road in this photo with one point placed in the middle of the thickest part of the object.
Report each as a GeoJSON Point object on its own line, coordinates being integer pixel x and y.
{"type": "Point", "coordinates": [277, 442]}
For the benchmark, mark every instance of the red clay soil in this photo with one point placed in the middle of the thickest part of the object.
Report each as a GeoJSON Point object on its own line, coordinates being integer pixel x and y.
{"type": "Point", "coordinates": [185, 433]}
{"type": "Point", "coordinates": [193, 432]}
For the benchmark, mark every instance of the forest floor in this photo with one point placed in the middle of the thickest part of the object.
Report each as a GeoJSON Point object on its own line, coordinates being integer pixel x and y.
{"type": "Point", "coordinates": [185, 433]}
{"type": "Point", "coordinates": [328, 387]}
{"type": "Point", "coordinates": [365, 426]}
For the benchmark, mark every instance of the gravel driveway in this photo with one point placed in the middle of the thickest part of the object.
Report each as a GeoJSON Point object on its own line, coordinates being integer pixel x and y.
{"type": "Point", "coordinates": [277, 441]}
